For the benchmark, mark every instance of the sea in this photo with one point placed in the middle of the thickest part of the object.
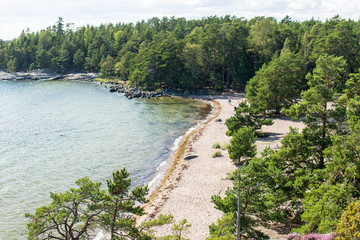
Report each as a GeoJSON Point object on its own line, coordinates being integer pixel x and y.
{"type": "Point", "coordinates": [55, 132]}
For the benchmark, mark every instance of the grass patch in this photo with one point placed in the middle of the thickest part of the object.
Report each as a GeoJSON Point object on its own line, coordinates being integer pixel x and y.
{"type": "Point", "coordinates": [216, 145]}
{"type": "Point", "coordinates": [225, 146]}
{"type": "Point", "coordinates": [216, 154]}
{"type": "Point", "coordinates": [231, 175]}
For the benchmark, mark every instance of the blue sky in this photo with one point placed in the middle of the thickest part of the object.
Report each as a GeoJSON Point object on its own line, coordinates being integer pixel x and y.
{"type": "Point", "coordinates": [18, 15]}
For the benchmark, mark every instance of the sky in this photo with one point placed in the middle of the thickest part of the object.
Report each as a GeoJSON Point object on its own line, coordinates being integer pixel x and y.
{"type": "Point", "coordinates": [18, 15]}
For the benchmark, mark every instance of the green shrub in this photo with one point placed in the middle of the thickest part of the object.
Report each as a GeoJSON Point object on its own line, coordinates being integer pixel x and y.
{"type": "Point", "coordinates": [216, 145]}
{"type": "Point", "coordinates": [216, 154]}
{"type": "Point", "coordinates": [349, 225]}
{"type": "Point", "coordinates": [231, 175]}
{"type": "Point", "coordinates": [225, 146]}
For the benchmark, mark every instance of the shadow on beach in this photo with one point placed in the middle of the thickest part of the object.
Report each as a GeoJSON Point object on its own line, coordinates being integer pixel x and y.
{"type": "Point", "coordinates": [271, 137]}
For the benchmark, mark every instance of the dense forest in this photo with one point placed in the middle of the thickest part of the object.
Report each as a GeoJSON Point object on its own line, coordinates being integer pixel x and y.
{"type": "Point", "coordinates": [215, 53]}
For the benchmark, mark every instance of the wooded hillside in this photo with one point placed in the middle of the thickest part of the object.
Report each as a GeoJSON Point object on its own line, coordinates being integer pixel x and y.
{"type": "Point", "coordinates": [214, 53]}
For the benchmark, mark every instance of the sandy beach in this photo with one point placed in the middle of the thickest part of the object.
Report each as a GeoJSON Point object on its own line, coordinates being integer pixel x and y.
{"type": "Point", "coordinates": [194, 176]}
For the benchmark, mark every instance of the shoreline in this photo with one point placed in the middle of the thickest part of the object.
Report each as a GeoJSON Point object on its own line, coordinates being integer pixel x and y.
{"type": "Point", "coordinates": [186, 157]}
{"type": "Point", "coordinates": [184, 184]}
{"type": "Point", "coordinates": [167, 145]}
{"type": "Point", "coordinates": [162, 171]}
{"type": "Point", "coordinates": [194, 176]}
{"type": "Point", "coordinates": [174, 159]}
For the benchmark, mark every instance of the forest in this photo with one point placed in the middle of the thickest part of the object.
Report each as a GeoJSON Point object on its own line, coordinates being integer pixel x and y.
{"type": "Point", "coordinates": [213, 53]}
{"type": "Point", "coordinates": [313, 179]}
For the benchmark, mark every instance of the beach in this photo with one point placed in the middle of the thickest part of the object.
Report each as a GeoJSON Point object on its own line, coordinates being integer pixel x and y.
{"type": "Point", "coordinates": [194, 176]}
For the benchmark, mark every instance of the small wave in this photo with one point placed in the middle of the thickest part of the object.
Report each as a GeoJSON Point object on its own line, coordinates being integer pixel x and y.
{"type": "Point", "coordinates": [159, 171]}
{"type": "Point", "coordinates": [161, 165]}
{"type": "Point", "coordinates": [192, 129]}
{"type": "Point", "coordinates": [153, 182]}
{"type": "Point", "coordinates": [177, 143]}
{"type": "Point", "coordinates": [206, 119]}
{"type": "Point", "coordinates": [211, 114]}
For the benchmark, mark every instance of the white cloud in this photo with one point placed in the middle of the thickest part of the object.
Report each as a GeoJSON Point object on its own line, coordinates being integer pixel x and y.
{"type": "Point", "coordinates": [170, 3]}
{"type": "Point", "coordinates": [18, 15]}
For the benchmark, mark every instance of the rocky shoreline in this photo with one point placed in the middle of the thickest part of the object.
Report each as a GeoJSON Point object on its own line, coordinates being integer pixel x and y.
{"type": "Point", "coordinates": [42, 75]}
{"type": "Point", "coordinates": [135, 93]}
{"type": "Point", "coordinates": [46, 76]}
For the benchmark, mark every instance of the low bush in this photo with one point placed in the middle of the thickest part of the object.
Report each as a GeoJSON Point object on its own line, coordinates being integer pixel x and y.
{"type": "Point", "coordinates": [225, 146]}
{"type": "Point", "coordinates": [231, 175]}
{"type": "Point", "coordinates": [216, 145]}
{"type": "Point", "coordinates": [349, 225]}
{"type": "Point", "coordinates": [216, 154]}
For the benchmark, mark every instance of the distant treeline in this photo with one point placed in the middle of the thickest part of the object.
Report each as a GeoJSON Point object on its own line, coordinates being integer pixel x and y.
{"type": "Point", "coordinates": [214, 52]}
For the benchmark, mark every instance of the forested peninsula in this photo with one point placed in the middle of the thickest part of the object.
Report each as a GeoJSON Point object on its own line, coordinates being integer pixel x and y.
{"type": "Point", "coordinates": [214, 53]}
{"type": "Point", "coordinates": [307, 70]}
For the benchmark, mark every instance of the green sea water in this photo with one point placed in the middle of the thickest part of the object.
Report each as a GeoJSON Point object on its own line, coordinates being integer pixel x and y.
{"type": "Point", "coordinates": [53, 133]}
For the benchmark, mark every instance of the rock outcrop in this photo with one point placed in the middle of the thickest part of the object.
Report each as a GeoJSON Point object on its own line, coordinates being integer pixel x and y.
{"type": "Point", "coordinates": [84, 77]}
{"type": "Point", "coordinates": [46, 75]}
{"type": "Point", "coordinates": [135, 93]}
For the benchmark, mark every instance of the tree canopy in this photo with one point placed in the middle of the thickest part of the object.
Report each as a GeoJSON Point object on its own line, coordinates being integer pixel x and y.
{"type": "Point", "coordinates": [314, 175]}
{"type": "Point", "coordinates": [80, 211]}
{"type": "Point", "coordinates": [213, 53]}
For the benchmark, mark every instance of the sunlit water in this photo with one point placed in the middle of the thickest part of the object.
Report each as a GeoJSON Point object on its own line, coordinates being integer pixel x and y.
{"type": "Point", "coordinates": [53, 133]}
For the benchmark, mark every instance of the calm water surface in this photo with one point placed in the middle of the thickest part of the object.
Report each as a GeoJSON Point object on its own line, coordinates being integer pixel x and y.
{"type": "Point", "coordinates": [53, 133]}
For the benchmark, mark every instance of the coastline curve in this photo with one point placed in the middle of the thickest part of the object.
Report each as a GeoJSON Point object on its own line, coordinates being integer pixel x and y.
{"type": "Point", "coordinates": [172, 175]}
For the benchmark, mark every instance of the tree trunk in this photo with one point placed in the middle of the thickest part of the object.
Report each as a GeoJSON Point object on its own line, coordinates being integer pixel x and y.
{"type": "Point", "coordinates": [238, 234]}
{"type": "Point", "coordinates": [323, 138]}
{"type": "Point", "coordinates": [228, 79]}
{"type": "Point", "coordinates": [223, 69]}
